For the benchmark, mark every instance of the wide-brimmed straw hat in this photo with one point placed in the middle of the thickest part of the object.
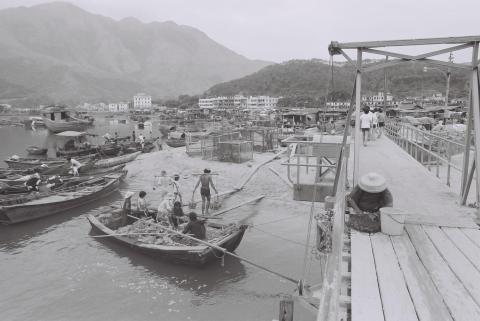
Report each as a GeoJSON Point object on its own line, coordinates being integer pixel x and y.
{"type": "Point", "coordinates": [373, 183]}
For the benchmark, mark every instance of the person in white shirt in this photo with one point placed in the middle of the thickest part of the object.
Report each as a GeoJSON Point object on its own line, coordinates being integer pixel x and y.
{"type": "Point", "coordinates": [165, 208]}
{"type": "Point", "coordinates": [75, 165]}
{"type": "Point", "coordinates": [163, 183]}
{"type": "Point", "coordinates": [365, 124]}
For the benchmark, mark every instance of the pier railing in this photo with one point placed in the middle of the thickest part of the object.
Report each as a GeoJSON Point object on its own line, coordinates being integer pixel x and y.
{"type": "Point", "coordinates": [431, 150]}
{"type": "Point", "coordinates": [329, 308]}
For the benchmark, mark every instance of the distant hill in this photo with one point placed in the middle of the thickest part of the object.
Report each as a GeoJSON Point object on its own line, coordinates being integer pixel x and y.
{"type": "Point", "coordinates": [311, 78]}
{"type": "Point", "coordinates": [60, 52]}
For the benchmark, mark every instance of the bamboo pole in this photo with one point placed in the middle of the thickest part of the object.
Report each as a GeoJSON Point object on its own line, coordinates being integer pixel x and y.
{"type": "Point", "coordinates": [238, 205]}
{"type": "Point", "coordinates": [281, 177]}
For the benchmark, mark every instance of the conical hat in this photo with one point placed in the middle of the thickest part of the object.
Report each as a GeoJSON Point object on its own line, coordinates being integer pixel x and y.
{"type": "Point", "coordinates": [372, 183]}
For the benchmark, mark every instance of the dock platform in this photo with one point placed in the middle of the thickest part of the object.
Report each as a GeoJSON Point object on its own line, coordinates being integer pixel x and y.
{"type": "Point", "coordinates": [432, 271]}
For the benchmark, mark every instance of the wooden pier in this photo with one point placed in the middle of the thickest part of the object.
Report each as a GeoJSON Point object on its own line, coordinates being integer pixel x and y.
{"type": "Point", "coordinates": [432, 271]}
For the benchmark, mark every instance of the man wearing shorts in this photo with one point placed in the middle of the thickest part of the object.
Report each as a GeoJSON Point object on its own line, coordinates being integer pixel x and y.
{"type": "Point", "coordinates": [381, 122]}
{"type": "Point", "coordinates": [206, 180]}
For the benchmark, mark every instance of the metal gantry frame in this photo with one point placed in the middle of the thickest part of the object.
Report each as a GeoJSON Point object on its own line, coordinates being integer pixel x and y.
{"type": "Point", "coordinates": [459, 43]}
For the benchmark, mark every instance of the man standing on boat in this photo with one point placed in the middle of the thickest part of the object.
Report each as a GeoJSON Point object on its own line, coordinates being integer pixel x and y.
{"type": "Point", "coordinates": [165, 208]}
{"type": "Point", "coordinates": [206, 180]}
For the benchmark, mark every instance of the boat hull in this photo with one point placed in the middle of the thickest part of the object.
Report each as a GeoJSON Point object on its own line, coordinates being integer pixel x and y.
{"type": "Point", "coordinates": [55, 203]}
{"type": "Point", "coordinates": [114, 161]}
{"type": "Point", "coordinates": [62, 126]}
{"type": "Point", "coordinates": [188, 255]}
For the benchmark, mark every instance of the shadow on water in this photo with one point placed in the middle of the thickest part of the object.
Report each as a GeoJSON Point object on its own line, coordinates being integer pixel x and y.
{"type": "Point", "coordinates": [201, 280]}
{"type": "Point", "coordinates": [15, 236]}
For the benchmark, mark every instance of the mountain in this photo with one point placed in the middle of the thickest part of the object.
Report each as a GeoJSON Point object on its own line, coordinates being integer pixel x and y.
{"type": "Point", "coordinates": [62, 52]}
{"type": "Point", "coordinates": [313, 78]}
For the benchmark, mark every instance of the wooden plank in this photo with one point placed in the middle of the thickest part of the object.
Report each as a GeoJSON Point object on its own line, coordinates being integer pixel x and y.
{"type": "Point", "coordinates": [444, 221]}
{"type": "Point", "coordinates": [238, 205]}
{"type": "Point", "coordinates": [366, 302]}
{"type": "Point", "coordinates": [396, 301]}
{"type": "Point", "coordinates": [426, 299]}
{"type": "Point", "coordinates": [254, 171]}
{"type": "Point", "coordinates": [460, 265]}
{"type": "Point", "coordinates": [473, 235]}
{"type": "Point", "coordinates": [286, 310]}
{"type": "Point", "coordinates": [465, 245]}
{"type": "Point", "coordinates": [284, 179]}
{"type": "Point", "coordinates": [458, 300]}
{"type": "Point", "coordinates": [405, 42]}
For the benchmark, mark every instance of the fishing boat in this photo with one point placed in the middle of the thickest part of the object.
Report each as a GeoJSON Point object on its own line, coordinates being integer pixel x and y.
{"type": "Point", "coordinates": [33, 206]}
{"type": "Point", "coordinates": [58, 120]}
{"type": "Point", "coordinates": [34, 150]}
{"type": "Point", "coordinates": [113, 161]}
{"type": "Point", "coordinates": [73, 143]}
{"type": "Point", "coordinates": [176, 139]}
{"type": "Point", "coordinates": [167, 246]}
{"type": "Point", "coordinates": [26, 163]}
{"type": "Point", "coordinates": [34, 121]}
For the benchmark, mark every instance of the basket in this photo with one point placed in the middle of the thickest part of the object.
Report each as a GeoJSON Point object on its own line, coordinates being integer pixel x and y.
{"type": "Point", "coordinates": [216, 204]}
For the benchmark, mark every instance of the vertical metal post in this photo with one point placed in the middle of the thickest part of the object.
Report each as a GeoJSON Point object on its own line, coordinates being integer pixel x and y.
{"type": "Point", "coordinates": [358, 100]}
{"type": "Point", "coordinates": [385, 87]}
{"type": "Point", "coordinates": [466, 152]}
{"type": "Point", "coordinates": [476, 111]}
{"type": "Point", "coordinates": [448, 87]}
{"type": "Point", "coordinates": [449, 158]}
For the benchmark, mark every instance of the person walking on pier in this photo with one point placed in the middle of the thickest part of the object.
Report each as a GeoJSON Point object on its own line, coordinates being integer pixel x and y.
{"type": "Point", "coordinates": [366, 199]}
{"type": "Point", "coordinates": [206, 180]}
{"type": "Point", "coordinates": [365, 124]}
{"type": "Point", "coordinates": [381, 122]}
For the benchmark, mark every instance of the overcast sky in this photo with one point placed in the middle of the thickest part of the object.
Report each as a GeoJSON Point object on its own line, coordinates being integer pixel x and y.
{"type": "Point", "coordinates": [279, 30]}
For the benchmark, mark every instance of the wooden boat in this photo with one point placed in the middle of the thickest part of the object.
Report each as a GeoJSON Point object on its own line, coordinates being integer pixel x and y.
{"type": "Point", "coordinates": [179, 250]}
{"type": "Point", "coordinates": [25, 163]}
{"type": "Point", "coordinates": [34, 206]}
{"type": "Point", "coordinates": [34, 150]}
{"type": "Point", "coordinates": [110, 149]}
{"type": "Point", "coordinates": [74, 143]}
{"type": "Point", "coordinates": [113, 161]}
{"type": "Point", "coordinates": [59, 120]}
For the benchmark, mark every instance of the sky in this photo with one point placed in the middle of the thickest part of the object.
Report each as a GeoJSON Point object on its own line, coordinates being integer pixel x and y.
{"type": "Point", "coordinates": [280, 30]}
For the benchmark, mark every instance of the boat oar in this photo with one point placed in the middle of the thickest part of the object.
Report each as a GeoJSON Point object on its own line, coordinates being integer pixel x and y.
{"type": "Point", "coordinates": [239, 205]}
{"type": "Point", "coordinates": [225, 251]}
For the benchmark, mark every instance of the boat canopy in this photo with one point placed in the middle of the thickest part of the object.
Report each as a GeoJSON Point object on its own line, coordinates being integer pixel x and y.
{"type": "Point", "coordinates": [71, 133]}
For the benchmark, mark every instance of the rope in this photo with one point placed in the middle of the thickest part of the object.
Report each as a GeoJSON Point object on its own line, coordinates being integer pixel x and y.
{"type": "Point", "coordinates": [280, 237]}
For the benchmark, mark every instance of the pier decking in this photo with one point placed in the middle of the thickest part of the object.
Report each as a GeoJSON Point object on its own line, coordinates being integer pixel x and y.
{"type": "Point", "coordinates": [431, 272]}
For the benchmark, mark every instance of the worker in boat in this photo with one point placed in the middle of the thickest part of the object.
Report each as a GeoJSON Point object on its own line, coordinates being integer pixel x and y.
{"type": "Point", "coordinates": [163, 183]}
{"type": "Point", "coordinates": [165, 208]}
{"type": "Point", "coordinates": [127, 207]}
{"type": "Point", "coordinates": [206, 180]}
{"type": "Point", "coordinates": [195, 227]}
{"type": "Point", "coordinates": [177, 214]}
{"type": "Point", "coordinates": [75, 165]}
{"type": "Point", "coordinates": [366, 199]}
{"type": "Point", "coordinates": [107, 138]}
{"type": "Point", "coordinates": [53, 182]}
{"type": "Point", "coordinates": [34, 181]}
{"type": "Point", "coordinates": [142, 202]}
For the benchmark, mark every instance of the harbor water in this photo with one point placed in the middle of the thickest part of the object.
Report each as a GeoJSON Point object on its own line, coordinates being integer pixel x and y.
{"type": "Point", "coordinates": [52, 268]}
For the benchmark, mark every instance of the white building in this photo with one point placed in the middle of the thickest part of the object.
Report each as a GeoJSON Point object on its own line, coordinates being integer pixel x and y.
{"type": "Point", "coordinates": [238, 101]}
{"type": "Point", "coordinates": [142, 101]}
{"type": "Point", "coordinates": [113, 107]}
{"type": "Point", "coordinates": [377, 100]}
{"type": "Point", "coordinates": [123, 107]}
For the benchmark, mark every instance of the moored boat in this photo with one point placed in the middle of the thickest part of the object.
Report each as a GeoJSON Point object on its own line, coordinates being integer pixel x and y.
{"type": "Point", "coordinates": [113, 161]}
{"type": "Point", "coordinates": [163, 245]}
{"type": "Point", "coordinates": [59, 120]}
{"type": "Point", "coordinates": [34, 150]}
{"type": "Point", "coordinates": [25, 163]}
{"type": "Point", "coordinates": [45, 204]}
{"type": "Point", "coordinates": [176, 139]}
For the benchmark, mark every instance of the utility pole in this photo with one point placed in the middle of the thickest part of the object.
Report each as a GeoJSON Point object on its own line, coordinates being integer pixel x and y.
{"type": "Point", "coordinates": [385, 87]}
{"type": "Point", "coordinates": [450, 59]}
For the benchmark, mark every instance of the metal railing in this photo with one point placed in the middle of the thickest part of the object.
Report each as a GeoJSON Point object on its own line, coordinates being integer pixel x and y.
{"type": "Point", "coordinates": [431, 150]}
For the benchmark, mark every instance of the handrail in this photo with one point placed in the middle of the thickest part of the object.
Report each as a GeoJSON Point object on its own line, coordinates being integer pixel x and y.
{"type": "Point", "coordinates": [330, 293]}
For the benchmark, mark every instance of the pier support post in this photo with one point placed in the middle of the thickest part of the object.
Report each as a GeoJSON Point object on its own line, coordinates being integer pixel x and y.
{"type": "Point", "coordinates": [286, 310]}
{"type": "Point", "coordinates": [476, 110]}
{"type": "Point", "coordinates": [358, 134]}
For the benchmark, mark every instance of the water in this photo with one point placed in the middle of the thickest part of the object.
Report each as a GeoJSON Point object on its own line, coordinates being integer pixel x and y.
{"type": "Point", "coordinates": [52, 269]}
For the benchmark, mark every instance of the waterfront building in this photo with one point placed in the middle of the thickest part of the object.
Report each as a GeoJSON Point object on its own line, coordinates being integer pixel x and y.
{"type": "Point", "coordinates": [238, 101]}
{"type": "Point", "coordinates": [377, 100]}
{"type": "Point", "coordinates": [123, 107]}
{"type": "Point", "coordinates": [142, 101]}
{"type": "Point", "coordinates": [113, 107]}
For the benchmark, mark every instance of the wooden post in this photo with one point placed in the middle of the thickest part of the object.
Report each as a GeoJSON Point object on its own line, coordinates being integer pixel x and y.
{"type": "Point", "coordinates": [358, 101]}
{"type": "Point", "coordinates": [286, 310]}
{"type": "Point", "coordinates": [476, 111]}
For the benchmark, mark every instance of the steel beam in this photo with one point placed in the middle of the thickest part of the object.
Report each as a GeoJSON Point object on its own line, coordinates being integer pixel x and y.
{"type": "Point", "coordinates": [476, 112]}
{"type": "Point", "coordinates": [358, 102]}
{"type": "Point", "coordinates": [406, 42]}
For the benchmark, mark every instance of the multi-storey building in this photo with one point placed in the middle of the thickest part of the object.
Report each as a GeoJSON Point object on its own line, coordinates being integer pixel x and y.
{"type": "Point", "coordinates": [142, 101]}
{"type": "Point", "coordinates": [238, 101]}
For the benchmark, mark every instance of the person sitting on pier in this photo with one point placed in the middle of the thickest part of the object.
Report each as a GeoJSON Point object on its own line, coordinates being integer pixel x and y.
{"type": "Point", "coordinates": [195, 227]}
{"type": "Point", "coordinates": [366, 199]}
{"type": "Point", "coordinates": [206, 180]}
